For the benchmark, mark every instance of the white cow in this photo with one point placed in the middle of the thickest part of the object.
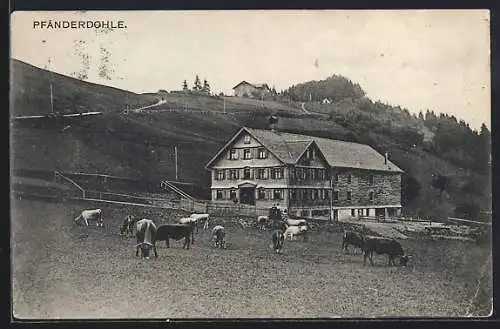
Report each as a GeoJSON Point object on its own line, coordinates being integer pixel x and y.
{"type": "Point", "coordinates": [292, 231]}
{"type": "Point", "coordinates": [218, 234]}
{"type": "Point", "coordinates": [90, 215]}
{"type": "Point", "coordinates": [296, 222]}
{"type": "Point", "coordinates": [261, 222]}
{"type": "Point", "coordinates": [186, 220]}
{"type": "Point", "coordinates": [202, 218]}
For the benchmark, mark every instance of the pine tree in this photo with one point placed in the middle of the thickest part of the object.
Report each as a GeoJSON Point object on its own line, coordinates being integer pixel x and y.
{"type": "Point", "coordinates": [206, 87]}
{"type": "Point", "coordinates": [184, 85]}
{"type": "Point", "coordinates": [197, 84]}
{"type": "Point", "coordinates": [421, 115]}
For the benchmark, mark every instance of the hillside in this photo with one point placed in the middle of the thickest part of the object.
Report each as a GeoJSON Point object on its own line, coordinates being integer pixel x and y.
{"type": "Point", "coordinates": [141, 145]}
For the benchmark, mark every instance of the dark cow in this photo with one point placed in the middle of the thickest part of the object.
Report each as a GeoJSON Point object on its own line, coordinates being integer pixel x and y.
{"type": "Point", "coordinates": [352, 238]}
{"type": "Point", "coordinates": [219, 234]}
{"type": "Point", "coordinates": [380, 245]}
{"type": "Point", "coordinates": [128, 225]}
{"type": "Point", "coordinates": [146, 237]}
{"type": "Point", "coordinates": [278, 239]}
{"type": "Point", "coordinates": [176, 232]}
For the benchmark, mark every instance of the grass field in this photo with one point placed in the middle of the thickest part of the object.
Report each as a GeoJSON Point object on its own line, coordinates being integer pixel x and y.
{"type": "Point", "coordinates": [58, 275]}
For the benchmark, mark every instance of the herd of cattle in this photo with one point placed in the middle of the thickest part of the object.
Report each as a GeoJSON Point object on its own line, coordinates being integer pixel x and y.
{"type": "Point", "coordinates": [147, 233]}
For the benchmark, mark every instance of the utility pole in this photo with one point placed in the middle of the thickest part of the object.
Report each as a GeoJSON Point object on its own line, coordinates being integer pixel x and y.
{"type": "Point", "coordinates": [224, 106]}
{"type": "Point", "coordinates": [176, 169]}
{"type": "Point", "coordinates": [51, 98]}
{"type": "Point", "coordinates": [262, 99]}
{"type": "Point", "coordinates": [51, 91]}
{"type": "Point", "coordinates": [331, 200]}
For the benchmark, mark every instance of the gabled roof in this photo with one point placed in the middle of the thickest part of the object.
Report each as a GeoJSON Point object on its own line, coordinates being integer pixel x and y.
{"type": "Point", "coordinates": [289, 147]}
{"type": "Point", "coordinates": [255, 85]}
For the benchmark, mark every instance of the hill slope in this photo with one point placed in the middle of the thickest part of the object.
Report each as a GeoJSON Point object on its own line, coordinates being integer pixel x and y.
{"type": "Point", "coordinates": [141, 145]}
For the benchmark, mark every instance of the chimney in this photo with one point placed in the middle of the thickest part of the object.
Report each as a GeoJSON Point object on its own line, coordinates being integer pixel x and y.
{"type": "Point", "coordinates": [273, 121]}
{"type": "Point", "coordinates": [385, 157]}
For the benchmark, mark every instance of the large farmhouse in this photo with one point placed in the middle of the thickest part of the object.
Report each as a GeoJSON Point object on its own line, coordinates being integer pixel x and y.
{"type": "Point", "coordinates": [246, 89]}
{"type": "Point", "coordinates": [310, 176]}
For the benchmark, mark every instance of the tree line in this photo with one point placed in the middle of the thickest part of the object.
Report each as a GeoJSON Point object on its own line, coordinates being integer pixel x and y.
{"type": "Point", "coordinates": [197, 86]}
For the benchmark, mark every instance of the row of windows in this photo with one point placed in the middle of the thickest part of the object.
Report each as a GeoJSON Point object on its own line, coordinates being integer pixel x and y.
{"type": "Point", "coordinates": [318, 174]}
{"type": "Point", "coordinates": [262, 194]}
{"type": "Point", "coordinates": [250, 173]}
{"type": "Point", "coordinates": [315, 194]}
{"type": "Point", "coordinates": [248, 153]}
{"type": "Point", "coordinates": [336, 178]}
{"type": "Point", "coordinates": [315, 174]}
{"type": "Point", "coordinates": [277, 194]}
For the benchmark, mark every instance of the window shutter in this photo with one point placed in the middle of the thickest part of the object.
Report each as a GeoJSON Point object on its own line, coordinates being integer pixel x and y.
{"type": "Point", "coordinates": [229, 154]}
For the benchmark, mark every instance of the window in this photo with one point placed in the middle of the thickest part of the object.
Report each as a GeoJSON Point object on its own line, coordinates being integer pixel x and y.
{"type": "Point", "coordinates": [314, 194]}
{"type": "Point", "coordinates": [326, 195]}
{"type": "Point", "coordinates": [310, 154]}
{"type": "Point", "coordinates": [371, 196]}
{"type": "Point", "coordinates": [261, 153]}
{"type": "Point", "coordinates": [276, 173]}
{"type": "Point", "coordinates": [261, 173]}
{"type": "Point", "coordinates": [336, 177]}
{"type": "Point", "coordinates": [232, 194]}
{"type": "Point", "coordinates": [233, 174]}
{"type": "Point", "coordinates": [233, 154]}
{"type": "Point", "coordinates": [293, 194]}
{"type": "Point", "coordinates": [321, 174]}
{"type": "Point", "coordinates": [336, 195]}
{"type": "Point", "coordinates": [298, 173]}
{"type": "Point", "coordinates": [370, 179]}
{"type": "Point", "coordinates": [305, 195]}
{"type": "Point", "coordinates": [348, 195]}
{"type": "Point", "coordinates": [247, 173]}
{"type": "Point", "coordinates": [349, 179]}
{"type": "Point", "coordinates": [261, 194]}
{"type": "Point", "coordinates": [277, 194]}
{"type": "Point", "coordinates": [246, 139]}
{"type": "Point", "coordinates": [313, 174]}
{"type": "Point", "coordinates": [218, 195]}
{"type": "Point", "coordinates": [353, 213]}
{"type": "Point", "coordinates": [219, 175]}
{"type": "Point", "coordinates": [247, 154]}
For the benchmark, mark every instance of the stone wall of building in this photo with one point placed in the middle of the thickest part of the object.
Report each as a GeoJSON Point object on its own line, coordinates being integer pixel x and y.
{"type": "Point", "coordinates": [385, 186]}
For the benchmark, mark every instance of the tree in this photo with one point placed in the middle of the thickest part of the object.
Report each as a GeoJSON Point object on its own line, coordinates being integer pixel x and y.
{"type": "Point", "coordinates": [197, 84]}
{"type": "Point", "coordinates": [421, 115]}
{"type": "Point", "coordinates": [184, 85]}
{"type": "Point", "coordinates": [206, 87]}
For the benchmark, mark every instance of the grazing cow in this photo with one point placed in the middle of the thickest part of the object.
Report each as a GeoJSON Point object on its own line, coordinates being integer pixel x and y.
{"type": "Point", "coordinates": [278, 238]}
{"type": "Point", "coordinates": [292, 231]}
{"type": "Point", "coordinates": [146, 237]}
{"type": "Point", "coordinates": [219, 234]}
{"type": "Point", "coordinates": [128, 224]}
{"type": "Point", "coordinates": [296, 222]}
{"type": "Point", "coordinates": [380, 245]}
{"type": "Point", "coordinates": [262, 222]}
{"type": "Point", "coordinates": [90, 215]}
{"type": "Point", "coordinates": [201, 218]}
{"type": "Point", "coordinates": [352, 238]}
{"type": "Point", "coordinates": [176, 232]}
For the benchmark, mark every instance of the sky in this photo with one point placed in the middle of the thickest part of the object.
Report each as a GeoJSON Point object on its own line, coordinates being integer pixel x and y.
{"type": "Point", "coordinates": [417, 59]}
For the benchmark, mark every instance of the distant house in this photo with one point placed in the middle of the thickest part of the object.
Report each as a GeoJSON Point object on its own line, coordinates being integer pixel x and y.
{"type": "Point", "coordinates": [326, 101]}
{"type": "Point", "coordinates": [246, 89]}
{"type": "Point", "coordinates": [310, 176]}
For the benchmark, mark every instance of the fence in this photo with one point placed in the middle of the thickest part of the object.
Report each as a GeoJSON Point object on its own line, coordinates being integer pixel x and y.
{"type": "Point", "coordinates": [181, 201]}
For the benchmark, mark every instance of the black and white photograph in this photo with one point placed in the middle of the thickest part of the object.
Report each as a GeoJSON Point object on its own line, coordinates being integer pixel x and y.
{"type": "Point", "coordinates": [250, 164]}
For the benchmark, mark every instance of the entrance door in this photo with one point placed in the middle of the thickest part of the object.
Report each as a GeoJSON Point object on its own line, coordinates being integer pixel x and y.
{"type": "Point", "coordinates": [247, 195]}
{"type": "Point", "coordinates": [380, 212]}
